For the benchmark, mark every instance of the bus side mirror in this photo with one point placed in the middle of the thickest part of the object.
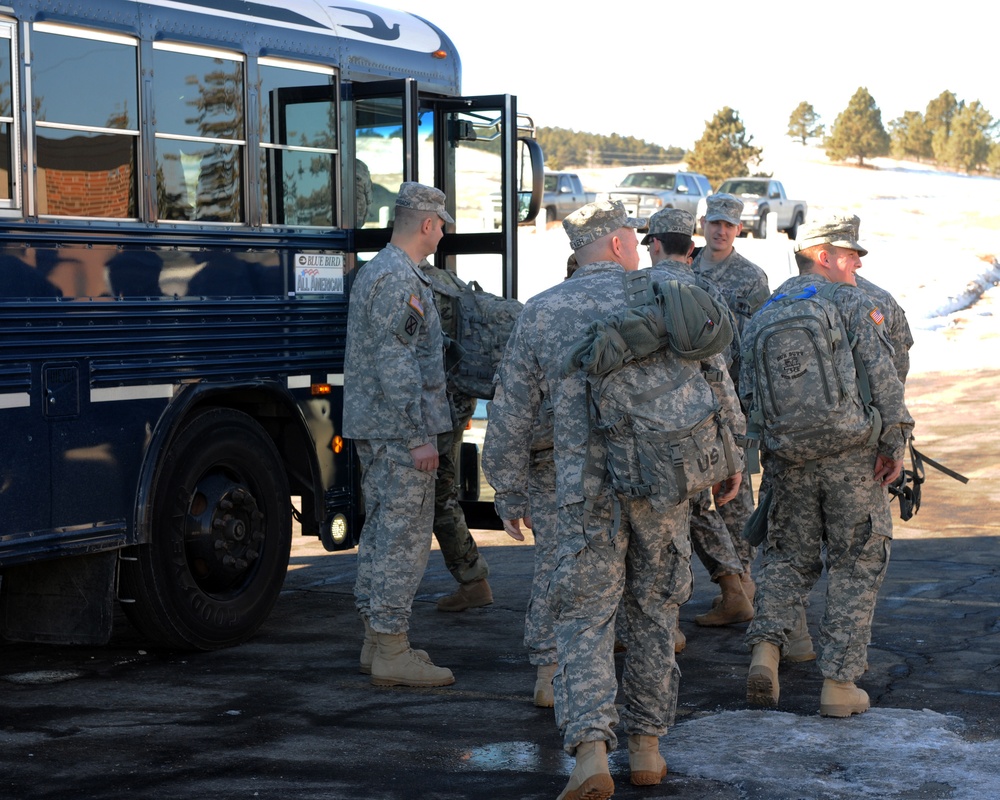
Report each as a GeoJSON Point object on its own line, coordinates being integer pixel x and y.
{"type": "Point", "coordinates": [530, 178]}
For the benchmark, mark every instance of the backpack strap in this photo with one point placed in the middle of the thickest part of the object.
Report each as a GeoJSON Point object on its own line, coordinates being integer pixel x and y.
{"type": "Point", "coordinates": [638, 287]}
{"type": "Point", "coordinates": [829, 291]}
{"type": "Point", "coordinates": [749, 305]}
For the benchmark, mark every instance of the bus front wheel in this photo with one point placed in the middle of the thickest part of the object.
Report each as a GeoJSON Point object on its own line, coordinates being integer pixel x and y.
{"type": "Point", "coordinates": [221, 537]}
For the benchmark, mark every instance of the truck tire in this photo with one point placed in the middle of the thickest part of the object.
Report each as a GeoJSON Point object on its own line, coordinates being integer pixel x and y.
{"type": "Point", "coordinates": [761, 232]}
{"type": "Point", "coordinates": [793, 231]}
{"type": "Point", "coordinates": [221, 536]}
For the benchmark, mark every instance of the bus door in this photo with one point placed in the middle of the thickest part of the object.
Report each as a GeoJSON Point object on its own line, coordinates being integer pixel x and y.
{"type": "Point", "coordinates": [468, 147]}
{"type": "Point", "coordinates": [473, 149]}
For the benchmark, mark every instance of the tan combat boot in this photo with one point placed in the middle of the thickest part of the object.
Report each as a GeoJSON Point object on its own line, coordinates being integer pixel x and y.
{"type": "Point", "coordinates": [368, 650]}
{"type": "Point", "coordinates": [544, 693]}
{"type": "Point", "coordinates": [842, 698]}
{"type": "Point", "coordinates": [591, 778]}
{"type": "Point", "coordinates": [395, 664]}
{"type": "Point", "coordinates": [467, 595]}
{"type": "Point", "coordinates": [800, 643]}
{"type": "Point", "coordinates": [762, 680]}
{"type": "Point", "coordinates": [644, 760]}
{"type": "Point", "coordinates": [680, 640]}
{"type": "Point", "coordinates": [734, 606]}
{"type": "Point", "coordinates": [749, 588]}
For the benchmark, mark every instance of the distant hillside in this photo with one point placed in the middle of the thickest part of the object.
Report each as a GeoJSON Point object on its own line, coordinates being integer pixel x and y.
{"type": "Point", "coordinates": [568, 149]}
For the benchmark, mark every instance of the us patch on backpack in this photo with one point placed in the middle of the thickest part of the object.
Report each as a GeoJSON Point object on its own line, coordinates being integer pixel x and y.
{"type": "Point", "coordinates": [810, 392]}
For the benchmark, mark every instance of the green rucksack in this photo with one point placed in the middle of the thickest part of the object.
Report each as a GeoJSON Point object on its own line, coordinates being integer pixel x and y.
{"type": "Point", "coordinates": [649, 398]}
{"type": "Point", "coordinates": [476, 325]}
{"type": "Point", "coordinates": [811, 395]}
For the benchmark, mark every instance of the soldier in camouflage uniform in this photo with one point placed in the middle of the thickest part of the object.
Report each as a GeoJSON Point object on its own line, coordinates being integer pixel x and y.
{"type": "Point", "coordinates": [744, 285]}
{"type": "Point", "coordinates": [897, 328]}
{"type": "Point", "coordinates": [592, 552]}
{"type": "Point", "coordinates": [394, 408]}
{"type": "Point", "coordinates": [461, 555]}
{"type": "Point", "coordinates": [670, 244]}
{"type": "Point", "coordinates": [838, 503]}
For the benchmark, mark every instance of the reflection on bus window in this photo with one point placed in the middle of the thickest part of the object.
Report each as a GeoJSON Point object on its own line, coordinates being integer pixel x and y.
{"type": "Point", "coordinates": [198, 99]}
{"type": "Point", "coordinates": [135, 273]}
{"type": "Point", "coordinates": [474, 138]}
{"type": "Point", "coordinates": [87, 141]}
{"type": "Point", "coordinates": [298, 130]}
{"type": "Point", "coordinates": [379, 144]}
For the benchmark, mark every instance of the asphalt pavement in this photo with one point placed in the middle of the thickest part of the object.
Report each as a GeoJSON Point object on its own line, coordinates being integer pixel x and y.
{"type": "Point", "coordinates": [287, 714]}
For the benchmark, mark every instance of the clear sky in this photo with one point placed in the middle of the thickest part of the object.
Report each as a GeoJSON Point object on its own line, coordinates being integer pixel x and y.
{"type": "Point", "coordinates": [661, 73]}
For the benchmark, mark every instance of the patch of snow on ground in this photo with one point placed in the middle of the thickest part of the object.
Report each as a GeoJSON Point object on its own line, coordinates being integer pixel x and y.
{"type": "Point", "coordinates": [885, 753]}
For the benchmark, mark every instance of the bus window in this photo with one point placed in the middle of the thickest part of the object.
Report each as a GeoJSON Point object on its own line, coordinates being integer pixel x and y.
{"type": "Point", "coordinates": [86, 140]}
{"type": "Point", "coordinates": [200, 136]}
{"type": "Point", "coordinates": [379, 146]}
{"type": "Point", "coordinates": [7, 169]}
{"type": "Point", "coordinates": [298, 143]}
{"type": "Point", "coordinates": [474, 144]}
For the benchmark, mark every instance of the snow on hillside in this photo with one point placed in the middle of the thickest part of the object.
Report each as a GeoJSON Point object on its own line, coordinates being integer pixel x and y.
{"type": "Point", "coordinates": [933, 239]}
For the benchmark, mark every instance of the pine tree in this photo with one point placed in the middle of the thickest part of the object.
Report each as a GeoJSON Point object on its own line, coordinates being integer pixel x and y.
{"type": "Point", "coordinates": [724, 149]}
{"type": "Point", "coordinates": [970, 142]}
{"type": "Point", "coordinates": [803, 124]}
{"type": "Point", "coordinates": [910, 136]}
{"type": "Point", "coordinates": [938, 116]}
{"type": "Point", "coordinates": [858, 131]}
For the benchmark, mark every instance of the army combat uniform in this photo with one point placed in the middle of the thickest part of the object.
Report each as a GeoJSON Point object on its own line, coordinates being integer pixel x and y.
{"type": "Point", "coordinates": [646, 558]}
{"type": "Point", "coordinates": [394, 401]}
{"type": "Point", "coordinates": [832, 504]}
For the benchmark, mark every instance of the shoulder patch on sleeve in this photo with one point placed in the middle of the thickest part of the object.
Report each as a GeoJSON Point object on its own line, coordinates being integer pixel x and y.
{"type": "Point", "coordinates": [411, 320]}
{"type": "Point", "coordinates": [876, 316]}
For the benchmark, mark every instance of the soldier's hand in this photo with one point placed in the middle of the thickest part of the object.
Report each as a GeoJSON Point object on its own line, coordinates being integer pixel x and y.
{"type": "Point", "coordinates": [887, 469]}
{"type": "Point", "coordinates": [513, 528]}
{"type": "Point", "coordinates": [726, 490]}
{"type": "Point", "coordinates": [425, 457]}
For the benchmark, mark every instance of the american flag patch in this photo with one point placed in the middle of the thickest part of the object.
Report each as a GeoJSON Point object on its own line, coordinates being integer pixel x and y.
{"type": "Point", "coordinates": [876, 316]}
{"type": "Point", "coordinates": [414, 303]}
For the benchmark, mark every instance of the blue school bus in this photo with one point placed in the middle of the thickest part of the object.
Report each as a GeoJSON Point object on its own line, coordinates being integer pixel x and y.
{"type": "Point", "coordinates": [186, 187]}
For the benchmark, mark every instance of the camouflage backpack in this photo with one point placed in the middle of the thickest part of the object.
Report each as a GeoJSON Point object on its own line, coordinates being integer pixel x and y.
{"type": "Point", "coordinates": [476, 325]}
{"type": "Point", "coordinates": [650, 399]}
{"type": "Point", "coordinates": [811, 395]}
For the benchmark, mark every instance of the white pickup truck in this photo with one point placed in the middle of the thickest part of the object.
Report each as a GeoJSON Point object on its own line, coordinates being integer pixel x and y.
{"type": "Point", "coordinates": [762, 197]}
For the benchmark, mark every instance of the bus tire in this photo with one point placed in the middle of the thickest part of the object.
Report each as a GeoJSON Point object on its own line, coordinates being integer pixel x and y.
{"type": "Point", "coordinates": [221, 537]}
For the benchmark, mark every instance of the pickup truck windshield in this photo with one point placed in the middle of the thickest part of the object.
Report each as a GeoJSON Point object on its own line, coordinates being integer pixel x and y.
{"type": "Point", "coordinates": [650, 180]}
{"type": "Point", "coordinates": [744, 187]}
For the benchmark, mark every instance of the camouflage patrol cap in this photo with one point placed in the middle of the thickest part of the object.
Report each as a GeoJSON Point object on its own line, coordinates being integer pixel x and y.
{"type": "Point", "coordinates": [725, 207]}
{"type": "Point", "coordinates": [422, 198]}
{"type": "Point", "coordinates": [670, 220]}
{"type": "Point", "coordinates": [840, 231]}
{"type": "Point", "coordinates": [597, 220]}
